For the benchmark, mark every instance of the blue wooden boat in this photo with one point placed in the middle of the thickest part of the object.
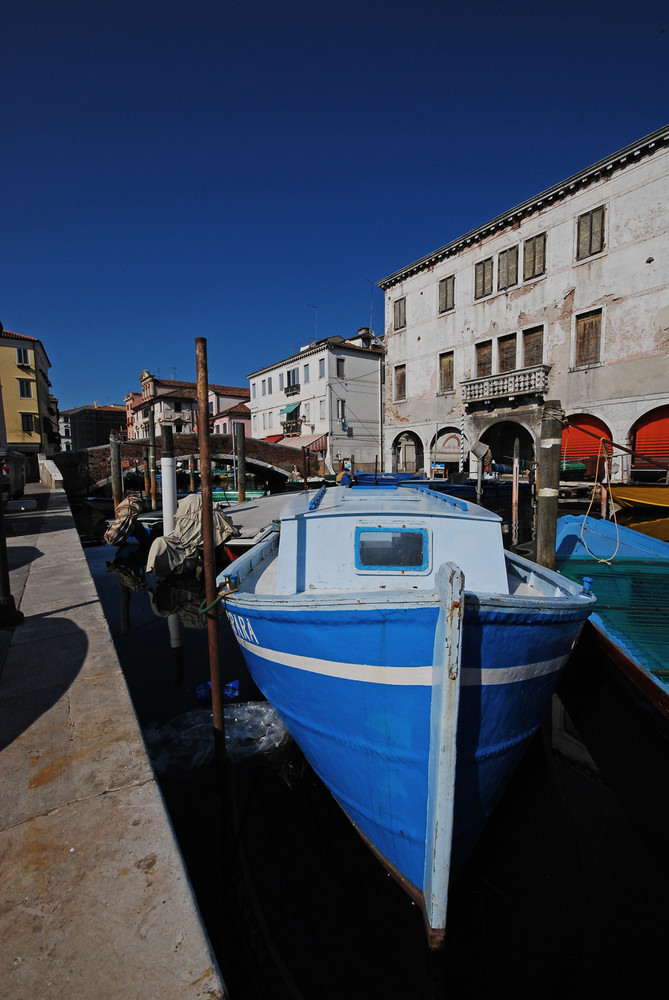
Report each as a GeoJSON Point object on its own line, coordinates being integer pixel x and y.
{"type": "Point", "coordinates": [630, 577]}
{"type": "Point", "coordinates": [410, 657]}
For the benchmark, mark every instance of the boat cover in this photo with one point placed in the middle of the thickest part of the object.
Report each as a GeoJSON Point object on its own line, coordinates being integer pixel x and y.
{"type": "Point", "coordinates": [179, 551]}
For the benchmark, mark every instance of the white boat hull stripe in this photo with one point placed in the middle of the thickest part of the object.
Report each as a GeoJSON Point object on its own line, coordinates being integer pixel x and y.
{"type": "Point", "coordinates": [370, 674]}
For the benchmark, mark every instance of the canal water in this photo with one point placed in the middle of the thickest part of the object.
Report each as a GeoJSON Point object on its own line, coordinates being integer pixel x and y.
{"type": "Point", "coordinates": [565, 893]}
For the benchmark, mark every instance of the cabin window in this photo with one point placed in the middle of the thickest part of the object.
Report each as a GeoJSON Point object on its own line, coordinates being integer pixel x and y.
{"type": "Point", "coordinates": [392, 550]}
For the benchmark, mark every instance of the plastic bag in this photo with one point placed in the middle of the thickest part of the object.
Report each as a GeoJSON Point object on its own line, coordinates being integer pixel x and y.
{"type": "Point", "coordinates": [186, 743]}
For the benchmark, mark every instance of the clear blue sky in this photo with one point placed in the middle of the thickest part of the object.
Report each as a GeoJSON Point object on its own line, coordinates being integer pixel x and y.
{"type": "Point", "coordinates": [174, 169]}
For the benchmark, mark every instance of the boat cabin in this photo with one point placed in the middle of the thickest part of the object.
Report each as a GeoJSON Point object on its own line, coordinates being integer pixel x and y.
{"type": "Point", "coordinates": [386, 539]}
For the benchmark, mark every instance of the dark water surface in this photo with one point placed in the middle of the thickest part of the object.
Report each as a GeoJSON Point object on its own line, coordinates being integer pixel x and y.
{"type": "Point", "coordinates": [565, 895]}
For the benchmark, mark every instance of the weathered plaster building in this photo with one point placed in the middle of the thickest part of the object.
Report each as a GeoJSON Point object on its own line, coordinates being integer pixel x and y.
{"type": "Point", "coordinates": [327, 397]}
{"type": "Point", "coordinates": [30, 411]}
{"type": "Point", "coordinates": [174, 402]}
{"type": "Point", "coordinates": [564, 297]}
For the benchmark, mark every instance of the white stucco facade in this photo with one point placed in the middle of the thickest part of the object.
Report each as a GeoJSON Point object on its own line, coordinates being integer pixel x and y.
{"type": "Point", "coordinates": [566, 297]}
{"type": "Point", "coordinates": [332, 387]}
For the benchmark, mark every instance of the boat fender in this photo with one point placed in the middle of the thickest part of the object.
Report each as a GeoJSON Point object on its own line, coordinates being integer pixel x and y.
{"type": "Point", "coordinates": [587, 586]}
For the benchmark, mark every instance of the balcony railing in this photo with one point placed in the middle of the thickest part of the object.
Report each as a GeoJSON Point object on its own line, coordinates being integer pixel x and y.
{"type": "Point", "coordinates": [508, 385]}
{"type": "Point", "coordinates": [292, 390]}
{"type": "Point", "coordinates": [292, 427]}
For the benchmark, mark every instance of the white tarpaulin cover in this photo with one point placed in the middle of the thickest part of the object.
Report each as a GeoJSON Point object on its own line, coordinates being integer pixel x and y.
{"type": "Point", "coordinates": [179, 551]}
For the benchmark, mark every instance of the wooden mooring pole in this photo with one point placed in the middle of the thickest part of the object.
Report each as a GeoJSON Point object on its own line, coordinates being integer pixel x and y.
{"type": "Point", "coordinates": [549, 481]}
{"type": "Point", "coordinates": [115, 460]}
{"type": "Point", "coordinates": [241, 461]}
{"type": "Point", "coordinates": [208, 545]}
{"type": "Point", "coordinates": [152, 459]}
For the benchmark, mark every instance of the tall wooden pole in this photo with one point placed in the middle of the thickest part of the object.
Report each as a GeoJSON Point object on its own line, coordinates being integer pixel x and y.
{"type": "Point", "coordinates": [241, 462]}
{"type": "Point", "coordinates": [115, 458]}
{"type": "Point", "coordinates": [549, 481]}
{"type": "Point", "coordinates": [152, 459]}
{"type": "Point", "coordinates": [208, 544]}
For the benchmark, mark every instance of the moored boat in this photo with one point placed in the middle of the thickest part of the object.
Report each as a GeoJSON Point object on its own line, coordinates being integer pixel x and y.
{"type": "Point", "coordinates": [630, 573]}
{"type": "Point", "coordinates": [411, 658]}
{"type": "Point", "coordinates": [650, 496]}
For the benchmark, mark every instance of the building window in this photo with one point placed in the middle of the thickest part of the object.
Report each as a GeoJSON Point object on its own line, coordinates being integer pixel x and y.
{"type": "Point", "coordinates": [400, 382]}
{"type": "Point", "coordinates": [534, 257]}
{"type": "Point", "coordinates": [400, 313]}
{"type": "Point", "coordinates": [322, 409]}
{"type": "Point", "coordinates": [307, 412]}
{"type": "Point", "coordinates": [483, 278]}
{"type": "Point", "coordinates": [255, 424]}
{"type": "Point", "coordinates": [293, 376]}
{"type": "Point", "coordinates": [321, 368]}
{"type": "Point", "coordinates": [22, 356]}
{"type": "Point", "coordinates": [446, 372]}
{"type": "Point", "coordinates": [27, 423]}
{"type": "Point", "coordinates": [507, 268]}
{"type": "Point", "coordinates": [588, 339]}
{"type": "Point", "coordinates": [253, 391]}
{"type": "Point", "coordinates": [264, 387]}
{"type": "Point", "coordinates": [271, 419]}
{"type": "Point", "coordinates": [484, 359]}
{"type": "Point", "coordinates": [25, 388]}
{"type": "Point", "coordinates": [447, 294]}
{"type": "Point", "coordinates": [341, 368]}
{"type": "Point", "coordinates": [280, 381]}
{"type": "Point", "coordinates": [264, 421]}
{"type": "Point", "coordinates": [533, 347]}
{"type": "Point", "coordinates": [590, 233]}
{"type": "Point", "coordinates": [506, 353]}
{"type": "Point", "coordinates": [269, 386]}
{"type": "Point", "coordinates": [306, 373]}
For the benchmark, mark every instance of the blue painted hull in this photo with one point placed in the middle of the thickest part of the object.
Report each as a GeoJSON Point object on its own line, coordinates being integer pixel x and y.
{"type": "Point", "coordinates": [352, 680]}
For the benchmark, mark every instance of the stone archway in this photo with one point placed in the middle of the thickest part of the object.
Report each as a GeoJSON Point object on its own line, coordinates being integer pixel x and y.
{"type": "Point", "coordinates": [407, 452]}
{"type": "Point", "coordinates": [501, 439]}
{"type": "Point", "coordinates": [446, 452]}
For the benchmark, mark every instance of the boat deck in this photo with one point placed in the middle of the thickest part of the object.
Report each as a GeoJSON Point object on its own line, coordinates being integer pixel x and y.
{"type": "Point", "coordinates": [633, 604]}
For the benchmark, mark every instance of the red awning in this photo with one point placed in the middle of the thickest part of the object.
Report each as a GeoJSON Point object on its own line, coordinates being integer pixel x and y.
{"type": "Point", "coordinates": [315, 443]}
{"type": "Point", "coordinates": [273, 438]}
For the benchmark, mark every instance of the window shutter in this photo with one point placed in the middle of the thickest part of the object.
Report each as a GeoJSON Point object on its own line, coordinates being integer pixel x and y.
{"type": "Point", "coordinates": [484, 359]}
{"type": "Point", "coordinates": [588, 337]}
{"type": "Point", "coordinates": [540, 254]}
{"type": "Point", "coordinates": [446, 372]}
{"type": "Point", "coordinates": [507, 353]}
{"type": "Point", "coordinates": [513, 266]}
{"type": "Point", "coordinates": [533, 347]}
{"type": "Point", "coordinates": [478, 293]}
{"type": "Point", "coordinates": [597, 233]}
{"type": "Point", "coordinates": [502, 277]}
{"type": "Point", "coordinates": [583, 237]}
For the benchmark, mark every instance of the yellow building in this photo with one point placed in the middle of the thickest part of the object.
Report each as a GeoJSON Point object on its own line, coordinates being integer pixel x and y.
{"type": "Point", "coordinates": [30, 412]}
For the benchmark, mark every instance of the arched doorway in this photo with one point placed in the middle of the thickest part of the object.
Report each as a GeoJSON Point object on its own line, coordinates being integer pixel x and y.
{"type": "Point", "coordinates": [407, 453]}
{"type": "Point", "coordinates": [501, 439]}
{"type": "Point", "coordinates": [446, 452]}
{"type": "Point", "coordinates": [649, 440]}
{"type": "Point", "coordinates": [582, 445]}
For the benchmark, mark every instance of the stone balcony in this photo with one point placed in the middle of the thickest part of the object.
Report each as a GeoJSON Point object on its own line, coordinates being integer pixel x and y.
{"type": "Point", "coordinates": [507, 388]}
{"type": "Point", "coordinates": [292, 390]}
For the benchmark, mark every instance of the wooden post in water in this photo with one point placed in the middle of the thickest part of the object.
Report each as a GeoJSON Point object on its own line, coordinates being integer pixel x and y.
{"type": "Point", "coordinates": [305, 467]}
{"type": "Point", "coordinates": [549, 481]}
{"type": "Point", "coordinates": [241, 462]}
{"type": "Point", "coordinates": [208, 545]}
{"type": "Point", "coordinates": [115, 459]}
{"type": "Point", "coordinates": [191, 471]}
{"type": "Point", "coordinates": [147, 478]}
{"type": "Point", "coordinates": [152, 459]}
